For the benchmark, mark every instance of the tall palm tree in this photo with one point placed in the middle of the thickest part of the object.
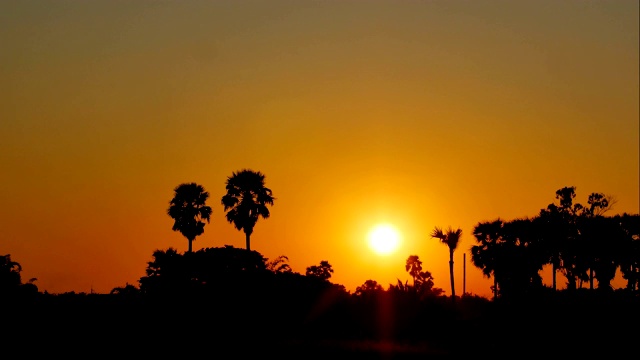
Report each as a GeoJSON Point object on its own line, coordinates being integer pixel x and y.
{"type": "Point", "coordinates": [451, 238]}
{"type": "Point", "coordinates": [246, 200]}
{"type": "Point", "coordinates": [188, 209]}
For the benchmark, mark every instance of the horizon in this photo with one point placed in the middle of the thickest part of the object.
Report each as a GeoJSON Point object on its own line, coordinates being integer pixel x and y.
{"type": "Point", "coordinates": [413, 114]}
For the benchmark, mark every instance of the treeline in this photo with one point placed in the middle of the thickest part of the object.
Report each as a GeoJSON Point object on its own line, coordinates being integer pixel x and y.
{"type": "Point", "coordinates": [231, 293]}
{"type": "Point", "coordinates": [231, 299]}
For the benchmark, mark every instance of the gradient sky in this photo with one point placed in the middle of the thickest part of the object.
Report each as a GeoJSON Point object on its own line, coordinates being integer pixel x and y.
{"type": "Point", "coordinates": [415, 113]}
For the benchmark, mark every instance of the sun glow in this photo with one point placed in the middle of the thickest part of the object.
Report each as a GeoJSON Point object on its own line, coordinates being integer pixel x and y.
{"type": "Point", "coordinates": [384, 239]}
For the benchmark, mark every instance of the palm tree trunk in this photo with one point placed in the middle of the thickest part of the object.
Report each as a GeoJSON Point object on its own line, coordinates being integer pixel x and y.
{"type": "Point", "coordinates": [248, 241]}
{"type": "Point", "coordinates": [453, 289]}
{"type": "Point", "coordinates": [464, 274]}
{"type": "Point", "coordinates": [190, 241]}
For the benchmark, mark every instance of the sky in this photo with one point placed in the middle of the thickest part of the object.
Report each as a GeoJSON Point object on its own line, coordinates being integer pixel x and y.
{"type": "Point", "coordinates": [413, 113]}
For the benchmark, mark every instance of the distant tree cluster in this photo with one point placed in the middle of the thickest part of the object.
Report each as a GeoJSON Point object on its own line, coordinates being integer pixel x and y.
{"type": "Point", "coordinates": [221, 269]}
{"type": "Point", "coordinates": [578, 241]}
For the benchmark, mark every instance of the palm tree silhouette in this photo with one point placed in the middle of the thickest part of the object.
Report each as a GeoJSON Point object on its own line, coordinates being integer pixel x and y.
{"type": "Point", "coordinates": [451, 238]}
{"type": "Point", "coordinates": [413, 266]}
{"type": "Point", "coordinates": [246, 200]}
{"type": "Point", "coordinates": [188, 209]}
{"type": "Point", "coordinates": [486, 255]}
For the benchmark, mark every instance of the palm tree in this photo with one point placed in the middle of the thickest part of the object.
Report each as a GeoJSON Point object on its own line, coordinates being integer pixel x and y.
{"type": "Point", "coordinates": [246, 200]}
{"type": "Point", "coordinates": [188, 209]}
{"type": "Point", "coordinates": [413, 266]}
{"type": "Point", "coordinates": [486, 255]}
{"type": "Point", "coordinates": [451, 238]}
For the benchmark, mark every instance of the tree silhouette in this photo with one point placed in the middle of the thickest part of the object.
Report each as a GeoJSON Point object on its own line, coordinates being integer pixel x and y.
{"type": "Point", "coordinates": [485, 255]}
{"type": "Point", "coordinates": [422, 280]}
{"type": "Point", "coordinates": [425, 285]}
{"type": "Point", "coordinates": [400, 287]}
{"type": "Point", "coordinates": [599, 204]}
{"type": "Point", "coordinates": [575, 244]}
{"type": "Point", "coordinates": [573, 264]}
{"type": "Point", "coordinates": [451, 238]}
{"type": "Point", "coordinates": [554, 233]}
{"type": "Point", "coordinates": [604, 242]}
{"type": "Point", "coordinates": [279, 265]}
{"type": "Point", "coordinates": [522, 257]}
{"type": "Point", "coordinates": [11, 285]}
{"type": "Point", "coordinates": [166, 273]}
{"type": "Point", "coordinates": [10, 278]}
{"type": "Point", "coordinates": [208, 270]}
{"type": "Point", "coordinates": [369, 286]}
{"type": "Point", "coordinates": [578, 240]}
{"type": "Point", "coordinates": [246, 200]}
{"type": "Point", "coordinates": [597, 242]}
{"type": "Point", "coordinates": [127, 290]}
{"type": "Point", "coordinates": [322, 271]}
{"type": "Point", "coordinates": [512, 253]}
{"type": "Point", "coordinates": [630, 254]}
{"type": "Point", "coordinates": [188, 209]}
{"type": "Point", "coordinates": [413, 266]}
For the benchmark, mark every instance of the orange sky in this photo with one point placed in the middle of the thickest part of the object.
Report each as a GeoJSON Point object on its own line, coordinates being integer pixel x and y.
{"type": "Point", "coordinates": [415, 113]}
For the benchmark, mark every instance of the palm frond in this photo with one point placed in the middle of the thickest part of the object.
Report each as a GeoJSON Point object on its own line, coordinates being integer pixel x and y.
{"type": "Point", "coordinates": [437, 233]}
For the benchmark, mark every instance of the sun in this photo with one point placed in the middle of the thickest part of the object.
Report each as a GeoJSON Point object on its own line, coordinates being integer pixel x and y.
{"type": "Point", "coordinates": [384, 239]}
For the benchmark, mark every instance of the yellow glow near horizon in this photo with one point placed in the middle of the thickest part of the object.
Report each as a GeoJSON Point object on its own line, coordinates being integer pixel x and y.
{"type": "Point", "coordinates": [384, 239]}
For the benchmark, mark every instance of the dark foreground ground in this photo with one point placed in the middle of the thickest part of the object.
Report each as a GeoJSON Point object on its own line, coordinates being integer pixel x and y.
{"type": "Point", "coordinates": [83, 327]}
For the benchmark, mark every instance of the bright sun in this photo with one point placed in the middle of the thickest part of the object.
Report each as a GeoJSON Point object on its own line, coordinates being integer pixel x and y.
{"type": "Point", "coordinates": [384, 239]}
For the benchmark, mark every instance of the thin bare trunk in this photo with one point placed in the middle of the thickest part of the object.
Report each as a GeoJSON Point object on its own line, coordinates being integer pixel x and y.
{"type": "Point", "coordinates": [464, 274]}
{"type": "Point", "coordinates": [453, 289]}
